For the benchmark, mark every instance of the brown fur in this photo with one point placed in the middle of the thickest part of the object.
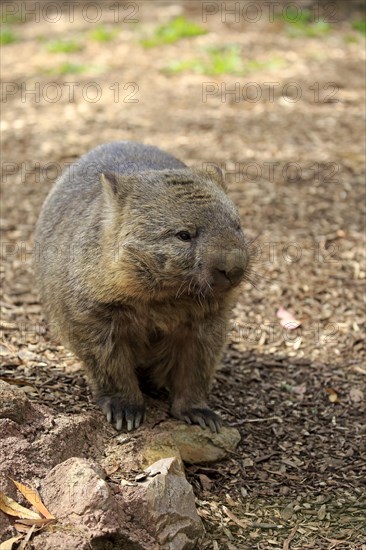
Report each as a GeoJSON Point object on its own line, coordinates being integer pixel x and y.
{"type": "Point", "coordinates": [127, 295]}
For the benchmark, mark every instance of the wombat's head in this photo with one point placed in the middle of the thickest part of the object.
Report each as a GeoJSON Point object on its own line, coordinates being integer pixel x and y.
{"type": "Point", "coordinates": [173, 233]}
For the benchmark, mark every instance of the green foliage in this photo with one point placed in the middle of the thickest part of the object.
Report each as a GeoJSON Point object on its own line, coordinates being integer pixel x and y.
{"type": "Point", "coordinates": [173, 31]}
{"type": "Point", "coordinates": [360, 26]}
{"type": "Point", "coordinates": [63, 46]}
{"type": "Point", "coordinates": [223, 60]}
{"type": "Point", "coordinates": [285, 386]}
{"type": "Point", "coordinates": [301, 24]}
{"type": "Point", "coordinates": [68, 68]}
{"type": "Point", "coordinates": [101, 33]}
{"type": "Point", "coordinates": [7, 36]}
{"type": "Point", "coordinates": [351, 38]}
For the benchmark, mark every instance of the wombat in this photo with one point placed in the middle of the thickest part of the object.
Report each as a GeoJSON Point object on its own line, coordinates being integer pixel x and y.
{"type": "Point", "coordinates": [139, 258]}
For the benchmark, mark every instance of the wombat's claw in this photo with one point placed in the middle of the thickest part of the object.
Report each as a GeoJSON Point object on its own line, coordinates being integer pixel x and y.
{"type": "Point", "coordinates": [115, 411]}
{"type": "Point", "coordinates": [203, 417]}
{"type": "Point", "coordinates": [134, 416]}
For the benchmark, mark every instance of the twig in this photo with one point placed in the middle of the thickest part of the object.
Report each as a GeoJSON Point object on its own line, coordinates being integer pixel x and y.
{"type": "Point", "coordinates": [266, 457]}
{"type": "Point", "coordinates": [278, 418]}
{"type": "Point", "coordinates": [287, 542]}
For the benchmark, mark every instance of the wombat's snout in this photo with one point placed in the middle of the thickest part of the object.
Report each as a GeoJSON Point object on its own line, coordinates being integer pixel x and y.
{"type": "Point", "coordinates": [228, 270]}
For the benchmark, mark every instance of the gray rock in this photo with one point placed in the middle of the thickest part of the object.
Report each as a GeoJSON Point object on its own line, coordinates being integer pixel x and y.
{"type": "Point", "coordinates": [14, 403]}
{"type": "Point", "coordinates": [164, 504]}
{"type": "Point", "coordinates": [76, 486]}
{"type": "Point", "coordinates": [197, 445]}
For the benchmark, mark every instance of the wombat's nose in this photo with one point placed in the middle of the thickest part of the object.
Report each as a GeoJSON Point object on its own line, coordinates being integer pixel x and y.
{"type": "Point", "coordinates": [228, 269]}
{"type": "Point", "coordinates": [223, 280]}
{"type": "Point", "coordinates": [235, 275]}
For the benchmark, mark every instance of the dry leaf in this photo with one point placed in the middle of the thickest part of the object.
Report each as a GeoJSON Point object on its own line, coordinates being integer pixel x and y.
{"type": "Point", "coordinates": [205, 482]}
{"type": "Point", "coordinates": [297, 344]}
{"type": "Point", "coordinates": [332, 395]}
{"type": "Point", "coordinates": [41, 522]}
{"type": "Point", "coordinates": [111, 469]}
{"type": "Point", "coordinates": [356, 395]}
{"type": "Point", "coordinates": [300, 390]}
{"type": "Point", "coordinates": [126, 483]}
{"type": "Point", "coordinates": [322, 511]}
{"type": "Point", "coordinates": [12, 508]}
{"type": "Point", "coordinates": [33, 497]}
{"type": "Point", "coordinates": [23, 544]}
{"type": "Point", "coordinates": [230, 501]}
{"type": "Point", "coordinates": [287, 542]}
{"type": "Point", "coordinates": [233, 518]}
{"type": "Point", "coordinates": [21, 527]}
{"type": "Point", "coordinates": [288, 511]}
{"type": "Point", "coordinates": [8, 544]}
{"type": "Point", "coordinates": [287, 320]}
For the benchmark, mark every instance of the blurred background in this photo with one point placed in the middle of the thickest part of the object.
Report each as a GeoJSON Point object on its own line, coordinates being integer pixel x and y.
{"type": "Point", "coordinates": [273, 92]}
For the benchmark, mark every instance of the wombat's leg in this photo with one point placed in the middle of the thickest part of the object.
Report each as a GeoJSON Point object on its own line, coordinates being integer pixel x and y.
{"type": "Point", "coordinates": [116, 389]}
{"type": "Point", "coordinates": [190, 380]}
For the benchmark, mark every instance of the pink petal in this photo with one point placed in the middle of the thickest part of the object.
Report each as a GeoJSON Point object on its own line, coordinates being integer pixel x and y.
{"type": "Point", "coordinates": [287, 320]}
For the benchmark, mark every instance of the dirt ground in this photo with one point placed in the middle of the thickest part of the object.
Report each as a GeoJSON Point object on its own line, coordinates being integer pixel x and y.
{"type": "Point", "coordinates": [294, 162]}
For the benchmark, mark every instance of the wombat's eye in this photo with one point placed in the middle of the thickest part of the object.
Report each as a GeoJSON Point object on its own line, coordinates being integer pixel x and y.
{"type": "Point", "coordinates": [183, 236]}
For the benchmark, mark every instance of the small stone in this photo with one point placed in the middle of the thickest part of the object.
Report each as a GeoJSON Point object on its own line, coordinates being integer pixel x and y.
{"type": "Point", "coordinates": [14, 404]}
{"type": "Point", "coordinates": [165, 505]}
{"type": "Point", "coordinates": [197, 445]}
{"type": "Point", "coordinates": [76, 486]}
{"type": "Point", "coordinates": [158, 445]}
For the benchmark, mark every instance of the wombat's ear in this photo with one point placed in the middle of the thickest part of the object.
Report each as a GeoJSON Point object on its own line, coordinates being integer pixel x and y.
{"type": "Point", "coordinates": [115, 186]}
{"type": "Point", "coordinates": [214, 172]}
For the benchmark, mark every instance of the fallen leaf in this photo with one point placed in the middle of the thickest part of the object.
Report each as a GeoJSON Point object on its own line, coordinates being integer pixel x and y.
{"type": "Point", "coordinates": [297, 344]}
{"type": "Point", "coordinates": [111, 469]}
{"type": "Point", "coordinates": [233, 518]}
{"type": "Point", "coordinates": [33, 497]}
{"type": "Point", "coordinates": [205, 482]}
{"type": "Point", "coordinates": [230, 501]}
{"type": "Point", "coordinates": [21, 527]}
{"type": "Point", "coordinates": [244, 492]}
{"type": "Point", "coordinates": [336, 542]}
{"type": "Point", "coordinates": [287, 320]}
{"type": "Point", "coordinates": [356, 395]}
{"type": "Point", "coordinates": [12, 508]}
{"type": "Point", "coordinates": [300, 390]}
{"type": "Point", "coordinates": [332, 395]}
{"type": "Point", "coordinates": [322, 511]}
{"type": "Point", "coordinates": [126, 483]}
{"type": "Point", "coordinates": [8, 544]}
{"type": "Point", "coordinates": [23, 544]}
{"type": "Point", "coordinates": [40, 522]}
{"type": "Point", "coordinates": [287, 542]}
{"type": "Point", "coordinates": [288, 511]}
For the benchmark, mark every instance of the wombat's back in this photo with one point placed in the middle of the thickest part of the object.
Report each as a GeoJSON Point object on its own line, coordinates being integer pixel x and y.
{"type": "Point", "coordinates": [127, 157]}
{"type": "Point", "coordinates": [122, 157]}
{"type": "Point", "coordinates": [68, 231]}
{"type": "Point", "coordinates": [79, 186]}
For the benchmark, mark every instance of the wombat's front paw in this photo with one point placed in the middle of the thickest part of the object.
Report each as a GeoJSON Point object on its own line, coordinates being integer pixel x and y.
{"type": "Point", "coordinates": [202, 416]}
{"type": "Point", "coordinates": [116, 408]}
